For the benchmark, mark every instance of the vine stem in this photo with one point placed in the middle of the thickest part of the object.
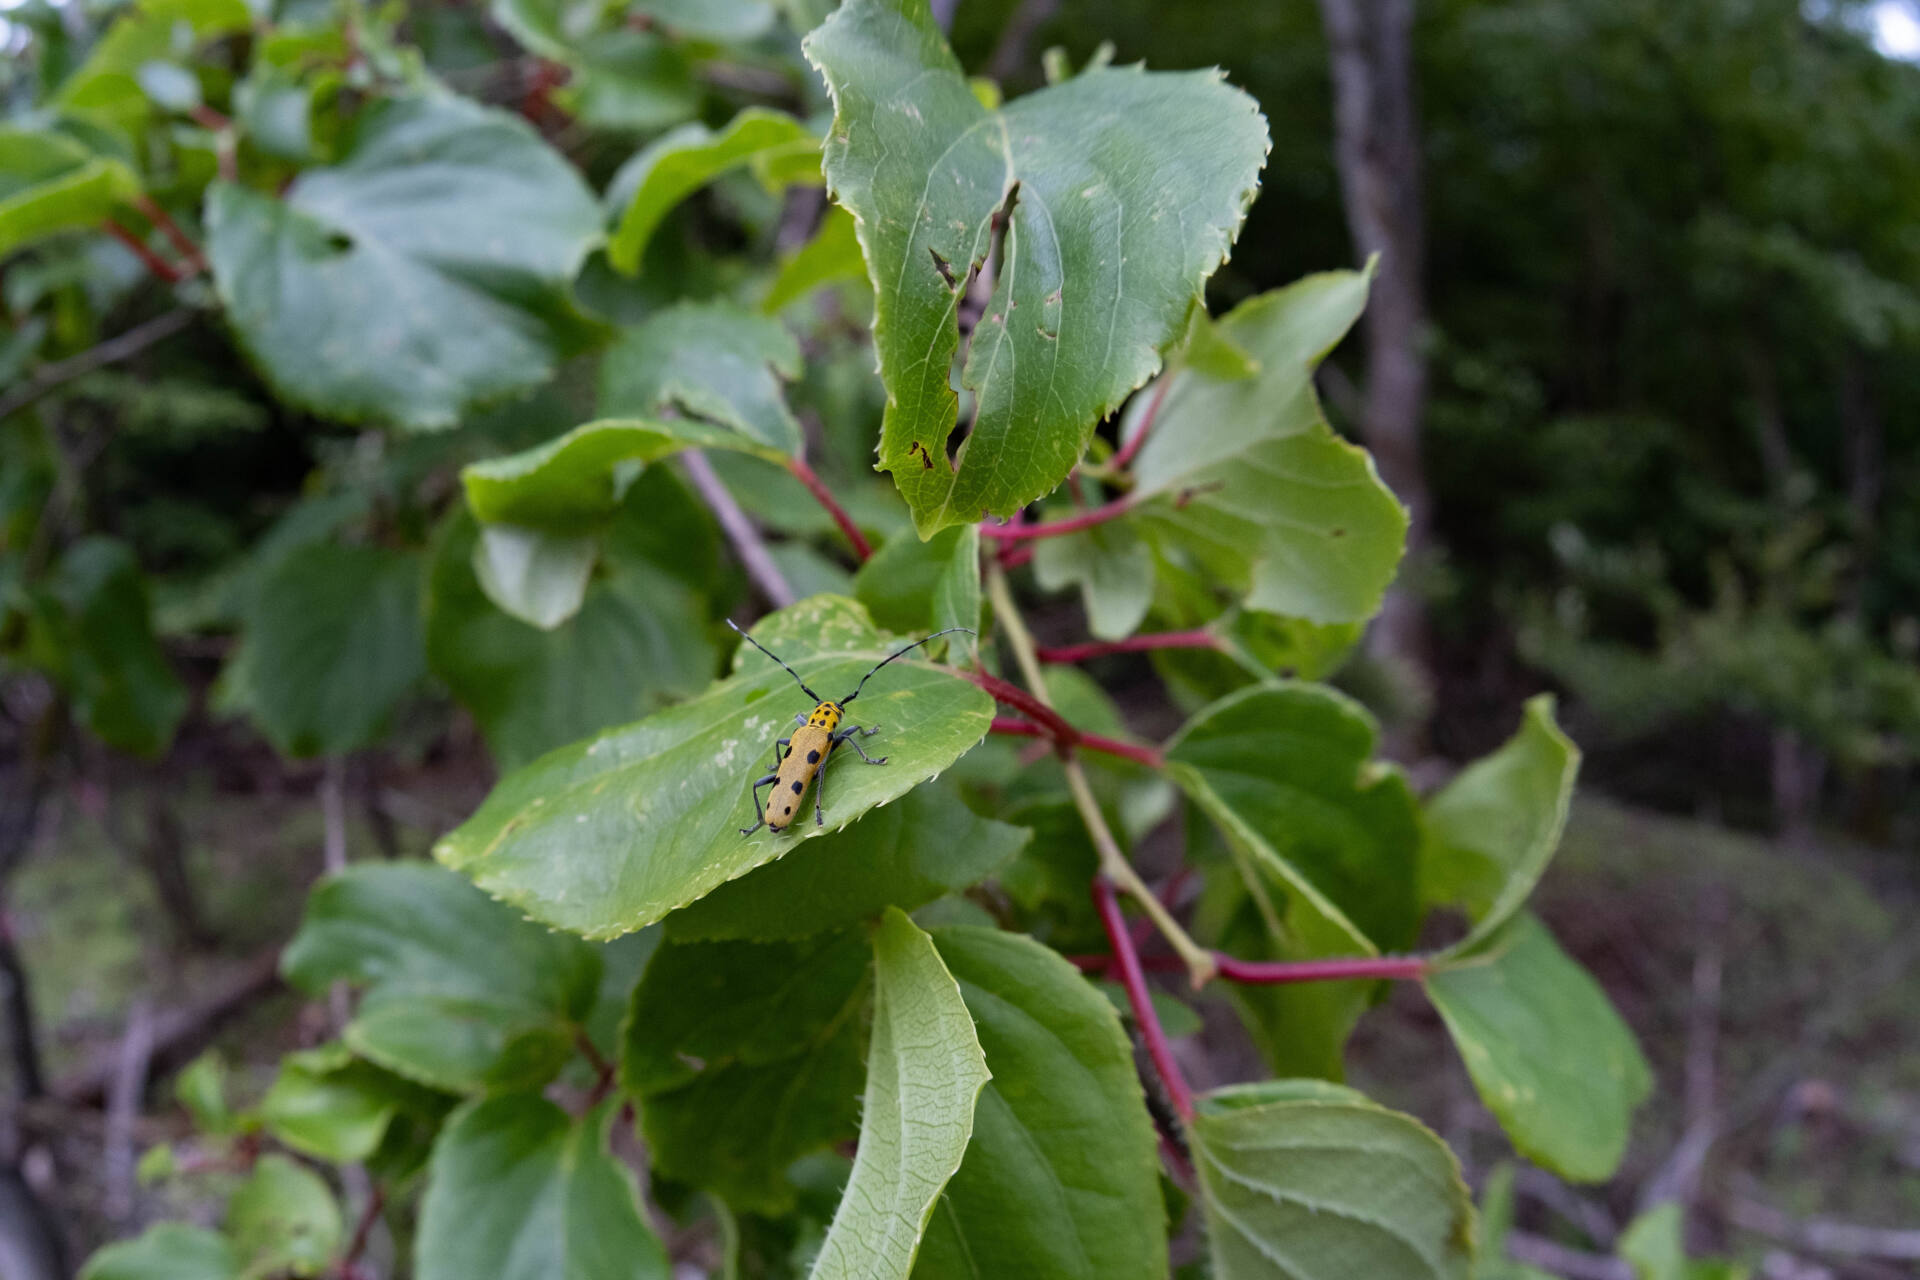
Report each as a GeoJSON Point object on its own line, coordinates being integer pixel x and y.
{"type": "Point", "coordinates": [824, 496]}
{"type": "Point", "coordinates": [1140, 998]}
{"type": "Point", "coordinates": [1200, 638]}
{"type": "Point", "coordinates": [1152, 757]}
{"type": "Point", "coordinates": [181, 241]}
{"type": "Point", "coordinates": [740, 532]}
{"type": "Point", "coordinates": [1056, 528]}
{"type": "Point", "coordinates": [1124, 459]}
{"type": "Point", "coordinates": [363, 1231]}
{"type": "Point", "coordinates": [1273, 972]}
{"type": "Point", "coordinates": [1113, 863]}
{"type": "Point", "coordinates": [160, 267]}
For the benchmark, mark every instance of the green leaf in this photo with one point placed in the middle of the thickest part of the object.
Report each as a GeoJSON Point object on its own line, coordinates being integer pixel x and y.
{"type": "Point", "coordinates": [715, 360]}
{"type": "Point", "coordinates": [1061, 1177]}
{"type": "Point", "coordinates": [106, 88]}
{"type": "Point", "coordinates": [332, 1106]}
{"type": "Point", "coordinates": [274, 109]}
{"type": "Point", "coordinates": [50, 183]}
{"type": "Point", "coordinates": [925, 1070]}
{"type": "Point", "coordinates": [459, 992]}
{"type": "Point", "coordinates": [1493, 829]}
{"type": "Point", "coordinates": [283, 1219]}
{"type": "Point", "coordinates": [574, 482]}
{"type": "Point", "coordinates": [1285, 770]}
{"type": "Point", "coordinates": [1112, 566]}
{"type": "Point", "coordinates": [729, 20]}
{"type": "Point", "coordinates": [366, 293]}
{"type": "Point", "coordinates": [201, 1088]}
{"type": "Point", "coordinates": [899, 581]}
{"type": "Point", "coordinates": [956, 592]}
{"type": "Point", "coordinates": [331, 645]}
{"type": "Point", "coordinates": [609, 835]}
{"type": "Point", "coordinates": [1246, 475]}
{"type": "Point", "coordinates": [1305, 1180]}
{"type": "Point", "coordinates": [1131, 188]}
{"type": "Point", "coordinates": [675, 165]}
{"type": "Point", "coordinates": [638, 642]}
{"type": "Point", "coordinates": [518, 1190]}
{"type": "Point", "coordinates": [1654, 1245]}
{"type": "Point", "coordinates": [1548, 1054]}
{"type": "Point", "coordinates": [96, 630]}
{"type": "Point", "coordinates": [746, 1056]}
{"type": "Point", "coordinates": [832, 256]}
{"type": "Point", "coordinates": [539, 578]}
{"type": "Point", "coordinates": [169, 1251]}
{"type": "Point", "coordinates": [1324, 841]}
{"type": "Point", "coordinates": [905, 855]}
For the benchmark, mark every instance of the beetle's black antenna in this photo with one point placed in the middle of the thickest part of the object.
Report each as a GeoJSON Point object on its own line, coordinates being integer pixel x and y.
{"type": "Point", "coordinates": [890, 657]}
{"type": "Point", "coordinates": [789, 670]}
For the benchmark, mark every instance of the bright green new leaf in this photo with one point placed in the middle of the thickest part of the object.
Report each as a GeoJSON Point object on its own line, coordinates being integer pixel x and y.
{"type": "Point", "coordinates": [609, 835]}
{"type": "Point", "coordinates": [956, 592]}
{"type": "Point", "coordinates": [201, 1088]}
{"type": "Point", "coordinates": [833, 255]}
{"type": "Point", "coordinates": [1125, 191]}
{"type": "Point", "coordinates": [1655, 1246]}
{"type": "Point", "coordinates": [1061, 1178]}
{"type": "Point", "coordinates": [926, 845]}
{"type": "Point", "coordinates": [169, 1251]}
{"type": "Point", "coordinates": [746, 1056]}
{"type": "Point", "coordinates": [283, 1220]}
{"type": "Point", "coordinates": [1548, 1054]}
{"type": "Point", "coordinates": [94, 630]}
{"type": "Point", "coordinates": [638, 642]}
{"type": "Point", "coordinates": [332, 1106]}
{"type": "Point", "coordinates": [675, 165]}
{"type": "Point", "coordinates": [539, 578]}
{"type": "Point", "coordinates": [1305, 1180]}
{"type": "Point", "coordinates": [519, 1190]}
{"type": "Point", "coordinates": [924, 1072]}
{"type": "Point", "coordinates": [1493, 829]}
{"type": "Point", "coordinates": [572, 483]}
{"type": "Point", "coordinates": [714, 360]}
{"type": "Point", "coordinates": [1246, 475]}
{"type": "Point", "coordinates": [423, 274]}
{"type": "Point", "coordinates": [1113, 568]}
{"type": "Point", "coordinates": [106, 88]}
{"type": "Point", "coordinates": [50, 183]}
{"type": "Point", "coordinates": [459, 992]}
{"type": "Point", "coordinates": [330, 647]}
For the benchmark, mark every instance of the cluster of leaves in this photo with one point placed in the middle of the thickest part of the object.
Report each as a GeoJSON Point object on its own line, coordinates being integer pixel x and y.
{"type": "Point", "coordinates": [600, 945]}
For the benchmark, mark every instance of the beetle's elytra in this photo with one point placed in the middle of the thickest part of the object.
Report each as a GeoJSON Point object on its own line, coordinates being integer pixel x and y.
{"type": "Point", "coordinates": [807, 751]}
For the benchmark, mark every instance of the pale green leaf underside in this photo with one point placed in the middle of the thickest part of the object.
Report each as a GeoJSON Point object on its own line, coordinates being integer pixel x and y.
{"type": "Point", "coordinates": [1493, 829]}
{"type": "Point", "coordinates": [1546, 1050]}
{"type": "Point", "coordinates": [924, 1072]}
{"type": "Point", "coordinates": [1113, 568]}
{"type": "Point", "coordinates": [1303, 1180]}
{"type": "Point", "coordinates": [674, 166]}
{"type": "Point", "coordinates": [1131, 189]}
{"type": "Point", "coordinates": [609, 835]}
{"type": "Point", "coordinates": [1249, 478]}
{"type": "Point", "coordinates": [423, 274]}
{"type": "Point", "coordinates": [713, 360]}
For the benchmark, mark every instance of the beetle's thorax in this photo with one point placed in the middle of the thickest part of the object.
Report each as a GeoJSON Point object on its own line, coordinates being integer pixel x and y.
{"type": "Point", "coordinates": [825, 716]}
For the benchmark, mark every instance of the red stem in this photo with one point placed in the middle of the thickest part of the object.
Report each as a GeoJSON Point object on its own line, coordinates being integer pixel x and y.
{"type": "Point", "coordinates": [1149, 756]}
{"type": "Point", "coordinates": [1257, 971]}
{"type": "Point", "coordinates": [1135, 981]}
{"type": "Point", "coordinates": [154, 262]}
{"type": "Point", "coordinates": [1200, 638]}
{"type": "Point", "coordinates": [1014, 557]}
{"type": "Point", "coordinates": [1064, 735]}
{"type": "Point", "coordinates": [181, 241]}
{"type": "Point", "coordinates": [349, 1261]}
{"type": "Point", "coordinates": [1124, 459]}
{"type": "Point", "coordinates": [207, 118]}
{"type": "Point", "coordinates": [1055, 528]}
{"type": "Point", "coordinates": [824, 496]}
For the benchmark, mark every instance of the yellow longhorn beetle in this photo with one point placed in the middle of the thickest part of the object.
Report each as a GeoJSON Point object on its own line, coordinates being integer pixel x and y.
{"type": "Point", "coordinates": [807, 750]}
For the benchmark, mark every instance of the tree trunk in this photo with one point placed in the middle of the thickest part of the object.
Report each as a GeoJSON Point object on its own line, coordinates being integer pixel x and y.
{"type": "Point", "coordinates": [1377, 148]}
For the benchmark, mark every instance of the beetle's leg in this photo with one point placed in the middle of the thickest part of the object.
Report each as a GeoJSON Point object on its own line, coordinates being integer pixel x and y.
{"type": "Point", "coordinates": [759, 810]}
{"type": "Point", "coordinates": [800, 719]}
{"type": "Point", "coordinates": [846, 736]}
{"type": "Point", "coordinates": [777, 744]}
{"type": "Point", "coordinates": [869, 731]}
{"type": "Point", "coordinates": [819, 798]}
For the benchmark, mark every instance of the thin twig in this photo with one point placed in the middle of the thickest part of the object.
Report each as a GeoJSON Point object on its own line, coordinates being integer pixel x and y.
{"type": "Point", "coordinates": [125, 346]}
{"type": "Point", "coordinates": [1825, 1236]}
{"type": "Point", "coordinates": [1140, 998]}
{"type": "Point", "coordinates": [1678, 1177]}
{"type": "Point", "coordinates": [183, 243]}
{"type": "Point", "coordinates": [1538, 1251]}
{"type": "Point", "coordinates": [333, 856]}
{"type": "Point", "coordinates": [754, 557]}
{"type": "Point", "coordinates": [1199, 638]}
{"type": "Point", "coordinates": [1057, 528]}
{"type": "Point", "coordinates": [1124, 459]}
{"type": "Point", "coordinates": [123, 1108]}
{"type": "Point", "coordinates": [1113, 863]}
{"type": "Point", "coordinates": [824, 496]}
{"type": "Point", "coordinates": [158, 265]}
{"type": "Point", "coordinates": [1277, 972]}
{"type": "Point", "coordinates": [1152, 757]}
{"type": "Point", "coordinates": [362, 1233]}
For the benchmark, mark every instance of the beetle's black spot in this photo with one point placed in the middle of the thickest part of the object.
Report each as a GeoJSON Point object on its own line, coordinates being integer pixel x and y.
{"type": "Point", "coordinates": [813, 757]}
{"type": "Point", "coordinates": [796, 788]}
